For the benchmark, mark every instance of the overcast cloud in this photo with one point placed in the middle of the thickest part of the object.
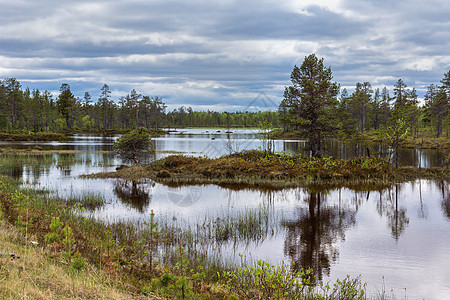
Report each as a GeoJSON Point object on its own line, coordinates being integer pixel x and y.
{"type": "Point", "coordinates": [219, 55]}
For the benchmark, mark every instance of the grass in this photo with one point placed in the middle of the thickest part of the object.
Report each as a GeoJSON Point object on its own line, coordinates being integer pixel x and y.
{"type": "Point", "coordinates": [255, 168]}
{"type": "Point", "coordinates": [86, 201]}
{"type": "Point", "coordinates": [33, 273]}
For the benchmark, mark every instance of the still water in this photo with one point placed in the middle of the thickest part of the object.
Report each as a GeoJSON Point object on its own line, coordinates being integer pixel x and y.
{"type": "Point", "coordinates": [397, 239]}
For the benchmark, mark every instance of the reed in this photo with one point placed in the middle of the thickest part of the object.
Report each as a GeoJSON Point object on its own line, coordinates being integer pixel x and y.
{"type": "Point", "coordinates": [86, 200]}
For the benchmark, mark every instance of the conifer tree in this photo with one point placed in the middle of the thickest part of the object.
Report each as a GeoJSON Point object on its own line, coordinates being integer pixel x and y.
{"type": "Point", "coordinates": [311, 101]}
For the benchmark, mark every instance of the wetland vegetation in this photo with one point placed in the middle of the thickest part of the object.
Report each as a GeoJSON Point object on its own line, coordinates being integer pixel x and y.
{"type": "Point", "coordinates": [255, 168]}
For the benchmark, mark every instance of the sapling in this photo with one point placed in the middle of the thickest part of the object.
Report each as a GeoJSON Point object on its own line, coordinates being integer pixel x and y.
{"type": "Point", "coordinates": [151, 237]}
{"type": "Point", "coordinates": [53, 236]}
{"type": "Point", "coordinates": [68, 241]}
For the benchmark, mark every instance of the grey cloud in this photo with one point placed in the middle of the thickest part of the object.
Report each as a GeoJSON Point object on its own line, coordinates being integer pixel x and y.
{"type": "Point", "coordinates": [175, 48]}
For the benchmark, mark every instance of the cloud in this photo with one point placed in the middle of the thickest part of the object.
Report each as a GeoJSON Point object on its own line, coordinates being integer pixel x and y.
{"type": "Point", "coordinates": [202, 53]}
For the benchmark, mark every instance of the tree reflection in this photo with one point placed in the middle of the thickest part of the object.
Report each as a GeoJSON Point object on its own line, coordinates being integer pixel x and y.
{"type": "Point", "coordinates": [15, 171]}
{"type": "Point", "coordinates": [397, 216]}
{"type": "Point", "coordinates": [445, 190]}
{"type": "Point", "coordinates": [311, 240]}
{"type": "Point", "coordinates": [133, 193]}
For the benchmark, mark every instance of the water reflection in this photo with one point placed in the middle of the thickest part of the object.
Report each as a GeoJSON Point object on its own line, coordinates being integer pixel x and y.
{"type": "Point", "coordinates": [445, 190]}
{"type": "Point", "coordinates": [135, 194]}
{"type": "Point", "coordinates": [311, 240]}
{"type": "Point", "coordinates": [396, 216]}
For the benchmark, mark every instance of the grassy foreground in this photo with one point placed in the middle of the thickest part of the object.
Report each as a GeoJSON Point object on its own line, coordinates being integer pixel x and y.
{"type": "Point", "coordinates": [256, 168]}
{"type": "Point", "coordinates": [28, 272]}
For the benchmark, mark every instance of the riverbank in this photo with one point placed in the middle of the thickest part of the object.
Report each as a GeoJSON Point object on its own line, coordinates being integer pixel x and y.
{"type": "Point", "coordinates": [280, 170]}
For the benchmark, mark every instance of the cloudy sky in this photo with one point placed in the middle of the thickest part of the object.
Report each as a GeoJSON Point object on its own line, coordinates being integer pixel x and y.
{"type": "Point", "coordinates": [219, 55]}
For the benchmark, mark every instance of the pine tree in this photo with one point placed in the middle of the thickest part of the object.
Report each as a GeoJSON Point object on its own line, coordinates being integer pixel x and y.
{"type": "Point", "coordinates": [66, 104]}
{"type": "Point", "coordinates": [311, 100]}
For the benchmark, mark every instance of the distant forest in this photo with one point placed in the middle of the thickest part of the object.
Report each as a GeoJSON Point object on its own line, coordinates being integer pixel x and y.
{"type": "Point", "coordinates": [23, 109]}
{"type": "Point", "coordinates": [363, 110]}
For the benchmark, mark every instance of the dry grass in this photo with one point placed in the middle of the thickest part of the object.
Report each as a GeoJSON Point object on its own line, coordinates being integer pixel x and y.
{"type": "Point", "coordinates": [34, 275]}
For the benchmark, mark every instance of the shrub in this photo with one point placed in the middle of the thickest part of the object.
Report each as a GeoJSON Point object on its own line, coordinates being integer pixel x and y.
{"type": "Point", "coordinates": [133, 146]}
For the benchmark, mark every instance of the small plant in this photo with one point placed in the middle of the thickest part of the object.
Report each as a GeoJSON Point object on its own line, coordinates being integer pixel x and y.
{"type": "Point", "coordinates": [68, 242]}
{"type": "Point", "coordinates": [151, 238]}
{"type": "Point", "coordinates": [266, 281]}
{"type": "Point", "coordinates": [108, 242]}
{"type": "Point", "coordinates": [348, 288]}
{"type": "Point", "coordinates": [53, 237]}
{"type": "Point", "coordinates": [77, 262]}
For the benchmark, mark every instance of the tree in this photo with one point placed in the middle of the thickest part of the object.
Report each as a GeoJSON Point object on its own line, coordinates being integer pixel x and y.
{"type": "Point", "coordinates": [445, 103]}
{"type": "Point", "coordinates": [152, 111]}
{"type": "Point", "coordinates": [87, 103]}
{"type": "Point", "coordinates": [439, 108]}
{"type": "Point", "coordinates": [311, 101]}
{"type": "Point", "coordinates": [396, 133]}
{"type": "Point", "coordinates": [12, 101]}
{"type": "Point", "coordinates": [385, 106]}
{"type": "Point", "coordinates": [405, 106]}
{"type": "Point", "coordinates": [66, 104]}
{"type": "Point", "coordinates": [377, 110]}
{"type": "Point", "coordinates": [134, 102]}
{"type": "Point", "coordinates": [400, 94]}
{"type": "Point", "coordinates": [345, 122]}
{"type": "Point", "coordinates": [361, 99]}
{"type": "Point", "coordinates": [105, 106]}
{"type": "Point", "coordinates": [133, 146]}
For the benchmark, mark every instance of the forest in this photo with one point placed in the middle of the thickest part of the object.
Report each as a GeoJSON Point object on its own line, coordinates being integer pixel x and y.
{"type": "Point", "coordinates": [363, 110]}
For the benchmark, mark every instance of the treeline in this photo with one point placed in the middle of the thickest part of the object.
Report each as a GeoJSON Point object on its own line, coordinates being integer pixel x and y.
{"type": "Point", "coordinates": [37, 111]}
{"type": "Point", "coordinates": [365, 108]}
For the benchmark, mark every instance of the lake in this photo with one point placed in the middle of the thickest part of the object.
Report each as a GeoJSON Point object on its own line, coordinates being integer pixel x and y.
{"type": "Point", "coordinates": [397, 239]}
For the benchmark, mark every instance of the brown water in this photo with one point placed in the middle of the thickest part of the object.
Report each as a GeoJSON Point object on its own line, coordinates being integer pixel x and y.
{"type": "Point", "coordinates": [397, 238]}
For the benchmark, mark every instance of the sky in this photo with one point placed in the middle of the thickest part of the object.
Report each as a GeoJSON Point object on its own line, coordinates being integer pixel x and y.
{"type": "Point", "coordinates": [220, 55]}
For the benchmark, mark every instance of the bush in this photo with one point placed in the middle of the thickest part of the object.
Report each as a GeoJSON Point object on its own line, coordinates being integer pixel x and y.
{"type": "Point", "coordinates": [133, 146]}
